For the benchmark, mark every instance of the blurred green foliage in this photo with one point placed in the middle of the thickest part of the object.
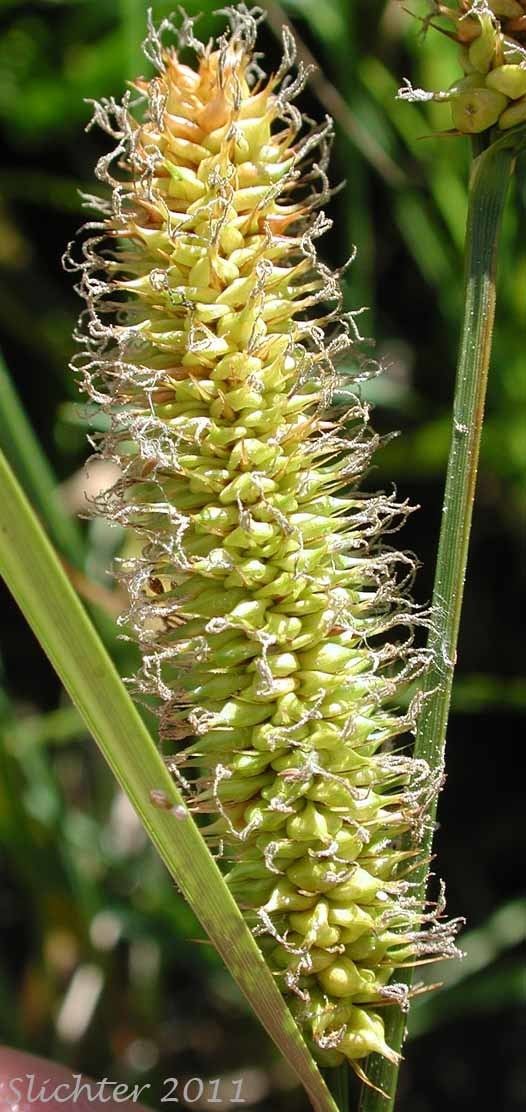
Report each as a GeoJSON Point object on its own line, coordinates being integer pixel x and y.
{"type": "Point", "coordinates": [92, 927]}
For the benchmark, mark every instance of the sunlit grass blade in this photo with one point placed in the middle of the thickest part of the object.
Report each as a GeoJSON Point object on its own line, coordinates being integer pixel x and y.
{"type": "Point", "coordinates": [30, 464]}
{"type": "Point", "coordinates": [35, 474]}
{"type": "Point", "coordinates": [50, 605]}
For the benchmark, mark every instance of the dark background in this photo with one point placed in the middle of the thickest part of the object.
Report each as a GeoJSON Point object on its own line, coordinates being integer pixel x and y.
{"type": "Point", "coordinates": [99, 967]}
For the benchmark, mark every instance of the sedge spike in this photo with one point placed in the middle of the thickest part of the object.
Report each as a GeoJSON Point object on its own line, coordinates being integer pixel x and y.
{"type": "Point", "coordinates": [492, 38]}
{"type": "Point", "coordinates": [261, 595]}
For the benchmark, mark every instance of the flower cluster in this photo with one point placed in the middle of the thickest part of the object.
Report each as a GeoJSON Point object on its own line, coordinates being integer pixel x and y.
{"type": "Point", "coordinates": [261, 594]}
{"type": "Point", "coordinates": [492, 38]}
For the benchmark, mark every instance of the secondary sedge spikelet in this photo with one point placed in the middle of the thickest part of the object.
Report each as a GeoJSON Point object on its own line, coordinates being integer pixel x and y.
{"type": "Point", "coordinates": [492, 38]}
{"type": "Point", "coordinates": [260, 593]}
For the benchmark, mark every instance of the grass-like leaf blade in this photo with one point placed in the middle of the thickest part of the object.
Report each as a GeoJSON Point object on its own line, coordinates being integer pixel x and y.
{"type": "Point", "coordinates": [45, 596]}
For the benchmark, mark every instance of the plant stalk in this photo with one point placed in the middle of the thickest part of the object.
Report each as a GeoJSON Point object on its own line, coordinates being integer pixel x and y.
{"type": "Point", "coordinates": [490, 176]}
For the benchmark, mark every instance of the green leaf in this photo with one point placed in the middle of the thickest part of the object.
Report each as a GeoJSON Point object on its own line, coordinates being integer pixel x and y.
{"type": "Point", "coordinates": [50, 605]}
{"type": "Point", "coordinates": [31, 466]}
{"type": "Point", "coordinates": [35, 474]}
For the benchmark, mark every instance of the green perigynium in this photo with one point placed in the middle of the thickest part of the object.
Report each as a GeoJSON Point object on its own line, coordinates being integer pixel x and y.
{"type": "Point", "coordinates": [492, 38]}
{"type": "Point", "coordinates": [261, 595]}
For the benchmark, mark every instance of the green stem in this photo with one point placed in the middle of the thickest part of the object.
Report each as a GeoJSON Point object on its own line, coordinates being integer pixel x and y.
{"type": "Point", "coordinates": [490, 177]}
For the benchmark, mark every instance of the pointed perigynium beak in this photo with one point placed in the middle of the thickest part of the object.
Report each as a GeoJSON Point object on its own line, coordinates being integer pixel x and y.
{"type": "Point", "coordinates": [275, 628]}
